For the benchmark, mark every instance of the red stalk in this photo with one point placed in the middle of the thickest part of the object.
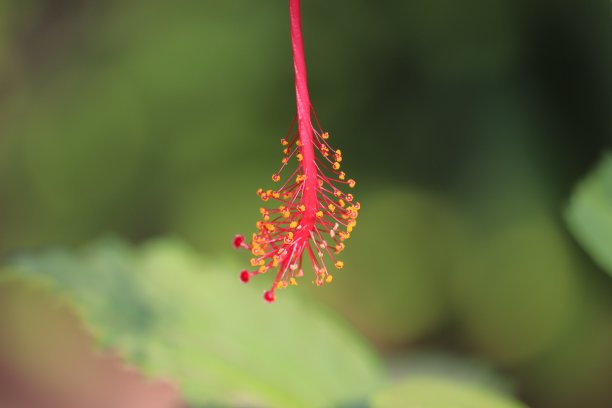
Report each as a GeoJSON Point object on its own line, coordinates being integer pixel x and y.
{"type": "Point", "coordinates": [302, 99]}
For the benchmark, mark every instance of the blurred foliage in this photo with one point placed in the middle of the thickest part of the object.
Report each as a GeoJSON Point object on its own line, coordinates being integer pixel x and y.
{"type": "Point", "coordinates": [177, 316]}
{"type": "Point", "coordinates": [403, 301]}
{"type": "Point", "coordinates": [431, 392]}
{"type": "Point", "coordinates": [589, 214]}
{"type": "Point", "coordinates": [466, 125]}
{"type": "Point", "coordinates": [456, 368]}
{"type": "Point", "coordinates": [65, 369]}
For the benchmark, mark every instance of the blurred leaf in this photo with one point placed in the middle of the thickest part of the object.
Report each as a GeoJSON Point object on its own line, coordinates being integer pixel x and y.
{"type": "Point", "coordinates": [176, 315]}
{"type": "Point", "coordinates": [442, 364]}
{"type": "Point", "coordinates": [433, 392]}
{"type": "Point", "coordinates": [400, 239]}
{"type": "Point", "coordinates": [516, 286]}
{"type": "Point", "coordinates": [589, 214]}
{"type": "Point", "coordinates": [49, 360]}
{"type": "Point", "coordinates": [579, 369]}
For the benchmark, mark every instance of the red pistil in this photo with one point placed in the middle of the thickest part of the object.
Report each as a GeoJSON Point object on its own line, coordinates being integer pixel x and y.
{"type": "Point", "coordinates": [313, 216]}
{"type": "Point", "coordinates": [238, 241]}
{"type": "Point", "coordinates": [245, 276]}
{"type": "Point", "coordinates": [269, 296]}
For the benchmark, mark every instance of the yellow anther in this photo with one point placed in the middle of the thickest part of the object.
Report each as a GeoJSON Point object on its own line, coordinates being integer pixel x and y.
{"type": "Point", "coordinates": [357, 206]}
{"type": "Point", "coordinates": [285, 160]}
{"type": "Point", "coordinates": [299, 143]}
{"type": "Point", "coordinates": [293, 224]}
{"type": "Point", "coordinates": [319, 214]}
{"type": "Point", "coordinates": [341, 203]}
{"type": "Point", "coordinates": [349, 197]}
{"type": "Point", "coordinates": [286, 213]}
{"type": "Point", "coordinates": [331, 207]}
{"type": "Point", "coordinates": [253, 261]}
{"type": "Point", "coordinates": [286, 150]}
{"type": "Point", "coordinates": [339, 248]}
{"type": "Point", "coordinates": [279, 285]}
{"type": "Point", "coordinates": [275, 262]}
{"type": "Point", "coordinates": [275, 177]}
{"type": "Point", "coordinates": [284, 142]}
{"type": "Point", "coordinates": [337, 193]}
{"type": "Point", "coordinates": [339, 264]}
{"type": "Point", "coordinates": [336, 165]}
{"type": "Point", "coordinates": [299, 157]}
{"type": "Point", "coordinates": [302, 208]}
{"type": "Point", "coordinates": [292, 282]}
{"type": "Point", "coordinates": [325, 135]}
{"type": "Point", "coordinates": [342, 175]}
{"type": "Point", "coordinates": [329, 278]}
{"type": "Point", "coordinates": [289, 238]}
{"type": "Point", "coordinates": [276, 194]}
{"type": "Point", "coordinates": [263, 269]}
{"type": "Point", "coordinates": [351, 183]}
{"type": "Point", "coordinates": [339, 152]}
{"type": "Point", "coordinates": [262, 211]}
{"type": "Point", "coordinates": [300, 178]}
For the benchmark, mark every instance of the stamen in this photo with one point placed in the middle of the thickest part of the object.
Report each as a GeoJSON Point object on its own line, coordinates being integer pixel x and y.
{"type": "Point", "coordinates": [312, 214]}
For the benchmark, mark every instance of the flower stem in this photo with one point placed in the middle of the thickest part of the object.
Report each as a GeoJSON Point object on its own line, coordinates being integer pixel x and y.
{"type": "Point", "coordinates": [303, 112]}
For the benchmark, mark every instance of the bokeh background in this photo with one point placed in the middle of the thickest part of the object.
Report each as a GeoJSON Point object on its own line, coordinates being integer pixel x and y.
{"type": "Point", "coordinates": [467, 125]}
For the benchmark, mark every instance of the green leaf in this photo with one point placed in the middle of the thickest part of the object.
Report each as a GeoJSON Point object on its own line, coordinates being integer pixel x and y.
{"type": "Point", "coordinates": [177, 315]}
{"type": "Point", "coordinates": [442, 364]}
{"type": "Point", "coordinates": [438, 392]}
{"type": "Point", "coordinates": [589, 214]}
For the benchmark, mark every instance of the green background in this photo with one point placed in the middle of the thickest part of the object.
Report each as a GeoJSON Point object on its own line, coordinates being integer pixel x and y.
{"type": "Point", "coordinates": [468, 126]}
